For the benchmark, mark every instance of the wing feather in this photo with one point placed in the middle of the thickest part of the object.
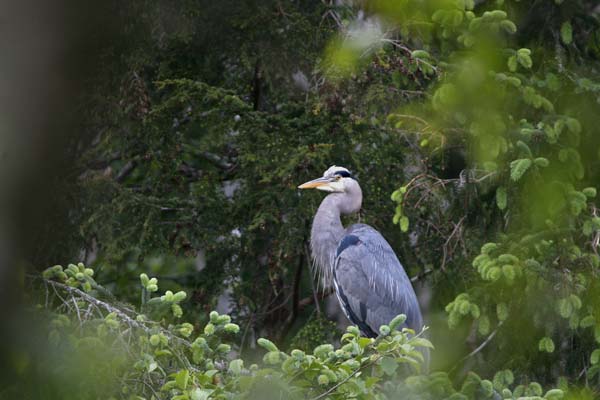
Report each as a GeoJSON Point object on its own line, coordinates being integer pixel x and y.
{"type": "Point", "coordinates": [371, 284]}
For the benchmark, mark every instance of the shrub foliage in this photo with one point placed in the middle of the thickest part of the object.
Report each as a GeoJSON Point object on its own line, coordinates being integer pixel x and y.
{"type": "Point", "coordinates": [157, 355]}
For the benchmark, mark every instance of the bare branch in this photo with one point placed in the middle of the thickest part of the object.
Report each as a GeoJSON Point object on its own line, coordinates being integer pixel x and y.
{"type": "Point", "coordinates": [295, 297]}
{"type": "Point", "coordinates": [315, 298]}
{"type": "Point", "coordinates": [217, 160]}
{"type": "Point", "coordinates": [480, 347]}
{"type": "Point", "coordinates": [356, 371]}
{"type": "Point", "coordinates": [421, 275]}
{"type": "Point", "coordinates": [126, 170]}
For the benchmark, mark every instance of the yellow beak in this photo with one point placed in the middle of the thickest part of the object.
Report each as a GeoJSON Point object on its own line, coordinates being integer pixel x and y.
{"type": "Point", "coordinates": [315, 183]}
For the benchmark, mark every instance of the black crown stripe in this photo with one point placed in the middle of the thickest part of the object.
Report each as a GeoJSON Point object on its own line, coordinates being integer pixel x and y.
{"type": "Point", "coordinates": [343, 173]}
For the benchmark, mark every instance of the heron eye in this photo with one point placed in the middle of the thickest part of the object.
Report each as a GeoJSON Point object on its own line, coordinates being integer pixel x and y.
{"type": "Point", "coordinates": [337, 177]}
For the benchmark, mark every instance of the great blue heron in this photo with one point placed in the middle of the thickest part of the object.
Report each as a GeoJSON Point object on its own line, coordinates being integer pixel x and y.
{"type": "Point", "coordinates": [370, 283]}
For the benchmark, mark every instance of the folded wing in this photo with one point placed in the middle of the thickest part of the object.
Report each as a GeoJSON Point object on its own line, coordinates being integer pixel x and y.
{"type": "Point", "coordinates": [370, 282]}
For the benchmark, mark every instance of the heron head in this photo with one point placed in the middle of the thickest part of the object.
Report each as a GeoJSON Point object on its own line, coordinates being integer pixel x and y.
{"type": "Point", "coordinates": [334, 180]}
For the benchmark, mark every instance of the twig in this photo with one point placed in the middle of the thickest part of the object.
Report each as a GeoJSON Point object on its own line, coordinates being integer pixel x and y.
{"type": "Point", "coordinates": [96, 302]}
{"type": "Point", "coordinates": [78, 313]}
{"type": "Point", "coordinates": [102, 305]}
{"type": "Point", "coordinates": [126, 170]}
{"type": "Point", "coordinates": [217, 160]}
{"type": "Point", "coordinates": [295, 296]}
{"type": "Point", "coordinates": [146, 384]}
{"type": "Point", "coordinates": [47, 295]}
{"type": "Point", "coordinates": [480, 347]}
{"type": "Point", "coordinates": [243, 340]}
{"type": "Point", "coordinates": [356, 371]}
{"type": "Point", "coordinates": [456, 230]}
{"type": "Point", "coordinates": [583, 371]}
{"type": "Point", "coordinates": [414, 118]}
{"type": "Point", "coordinates": [88, 311]}
{"type": "Point", "coordinates": [421, 275]}
{"type": "Point", "coordinates": [373, 344]}
{"type": "Point", "coordinates": [596, 240]}
{"type": "Point", "coordinates": [315, 298]}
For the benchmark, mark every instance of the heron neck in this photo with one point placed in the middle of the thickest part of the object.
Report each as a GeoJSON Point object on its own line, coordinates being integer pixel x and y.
{"type": "Point", "coordinates": [327, 230]}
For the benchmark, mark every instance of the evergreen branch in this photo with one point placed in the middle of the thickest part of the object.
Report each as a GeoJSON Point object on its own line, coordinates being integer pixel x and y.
{"type": "Point", "coordinates": [371, 345]}
{"type": "Point", "coordinates": [133, 323]}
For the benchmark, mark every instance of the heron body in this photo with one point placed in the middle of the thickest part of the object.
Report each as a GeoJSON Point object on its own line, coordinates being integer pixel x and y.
{"type": "Point", "coordinates": [370, 283]}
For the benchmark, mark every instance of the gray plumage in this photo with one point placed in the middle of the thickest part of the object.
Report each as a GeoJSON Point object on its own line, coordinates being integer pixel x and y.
{"type": "Point", "coordinates": [369, 280]}
{"type": "Point", "coordinates": [369, 273]}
